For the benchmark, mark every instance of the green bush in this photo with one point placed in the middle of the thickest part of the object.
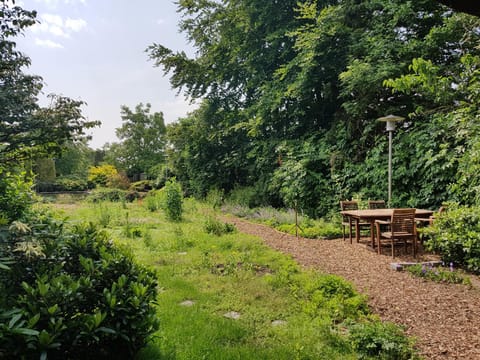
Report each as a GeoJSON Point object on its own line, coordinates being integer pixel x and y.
{"type": "Point", "coordinates": [71, 294]}
{"type": "Point", "coordinates": [218, 228]}
{"type": "Point", "coordinates": [380, 341]}
{"type": "Point", "coordinates": [16, 196]}
{"type": "Point", "coordinates": [173, 200]}
{"type": "Point", "coordinates": [107, 194]}
{"type": "Point", "coordinates": [154, 199]}
{"type": "Point", "coordinates": [142, 186]}
{"type": "Point", "coordinates": [455, 235]}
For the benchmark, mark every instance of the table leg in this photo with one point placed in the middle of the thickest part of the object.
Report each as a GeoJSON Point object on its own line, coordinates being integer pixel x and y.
{"type": "Point", "coordinates": [372, 233]}
{"type": "Point", "coordinates": [357, 230]}
{"type": "Point", "coordinates": [350, 228]}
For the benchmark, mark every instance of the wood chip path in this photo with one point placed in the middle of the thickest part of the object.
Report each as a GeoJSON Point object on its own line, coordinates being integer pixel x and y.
{"type": "Point", "coordinates": [444, 318]}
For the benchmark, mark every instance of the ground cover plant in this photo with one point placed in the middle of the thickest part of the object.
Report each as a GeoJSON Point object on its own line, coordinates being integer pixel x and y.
{"type": "Point", "coordinates": [228, 296]}
{"type": "Point", "coordinates": [439, 273]}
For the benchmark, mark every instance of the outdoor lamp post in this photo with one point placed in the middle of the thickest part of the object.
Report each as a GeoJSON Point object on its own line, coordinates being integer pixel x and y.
{"type": "Point", "coordinates": [390, 120]}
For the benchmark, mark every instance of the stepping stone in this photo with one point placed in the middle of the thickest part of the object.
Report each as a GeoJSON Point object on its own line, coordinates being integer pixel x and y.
{"type": "Point", "coordinates": [183, 253]}
{"type": "Point", "coordinates": [187, 303]}
{"type": "Point", "coordinates": [278, 322]}
{"type": "Point", "coordinates": [232, 315]}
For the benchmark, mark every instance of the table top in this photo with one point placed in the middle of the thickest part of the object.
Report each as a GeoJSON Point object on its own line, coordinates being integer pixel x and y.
{"type": "Point", "coordinates": [381, 213]}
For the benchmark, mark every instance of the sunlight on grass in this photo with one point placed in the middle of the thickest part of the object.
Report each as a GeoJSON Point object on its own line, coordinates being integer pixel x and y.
{"type": "Point", "coordinates": [283, 312]}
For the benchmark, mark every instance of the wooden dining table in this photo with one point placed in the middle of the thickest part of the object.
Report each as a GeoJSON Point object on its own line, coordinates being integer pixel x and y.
{"type": "Point", "coordinates": [370, 215]}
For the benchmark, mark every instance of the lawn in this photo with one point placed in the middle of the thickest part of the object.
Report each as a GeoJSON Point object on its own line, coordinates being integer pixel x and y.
{"type": "Point", "coordinates": [225, 295]}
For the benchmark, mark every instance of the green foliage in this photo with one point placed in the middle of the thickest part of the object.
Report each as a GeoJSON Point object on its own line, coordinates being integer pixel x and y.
{"type": "Point", "coordinates": [76, 296]}
{"type": "Point", "coordinates": [64, 183]}
{"type": "Point", "coordinates": [101, 175]}
{"type": "Point", "coordinates": [218, 228]}
{"type": "Point", "coordinates": [142, 145]}
{"type": "Point", "coordinates": [291, 93]}
{"type": "Point", "coordinates": [106, 194]}
{"type": "Point", "coordinates": [15, 193]}
{"type": "Point", "coordinates": [173, 205]}
{"type": "Point", "coordinates": [318, 229]}
{"type": "Point", "coordinates": [455, 235]}
{"type": "Point", "coordinates": [438, 274]}
{"type": "Point", "coordinates": [247, 196]}
{"type": "Point", "coordinates": [380, 341]}
{"type": "Point", "coordinates": [74, 161]}
{"type": "Point", "coordinates": [25, 127]}
{"type": "Point", "coordinates": [215, 198]}
{"type": "Point", "coordinates": [45, 170]}
{"type": "Point", "coordinates": [154, 200]}
{"type": "Point", "coordinates": [142, 185]}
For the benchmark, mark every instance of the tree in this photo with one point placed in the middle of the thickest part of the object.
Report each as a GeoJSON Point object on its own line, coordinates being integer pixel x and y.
{"type": "Point", "coordinates": [26, 129]}
{"type": "Point", "coordinates": [289, 72]}
{"type": "Point", "coordinates": [74, 160]}
{"type": "Point", "coordinates": [142, 136]}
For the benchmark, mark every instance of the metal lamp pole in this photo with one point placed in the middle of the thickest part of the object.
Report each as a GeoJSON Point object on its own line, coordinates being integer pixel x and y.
{"type": "Point", "coordinates": [390, 121]}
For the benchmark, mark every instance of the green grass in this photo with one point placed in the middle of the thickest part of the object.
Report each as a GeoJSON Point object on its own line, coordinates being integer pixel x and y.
{"type": "Point", "coordinates": [232, 272]}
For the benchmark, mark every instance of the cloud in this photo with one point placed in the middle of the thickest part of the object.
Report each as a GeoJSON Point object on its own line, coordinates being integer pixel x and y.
{"type": "Point", "coordinates": [55, 25]}
{"type": "Point", "coordinates": [48, 44]}
{"type": "Point", "coordinates": [75, 24]}
{"type": "Point", "coordinates": [161, 21]}
{"type": "Point", "coordinates": [53, 4]}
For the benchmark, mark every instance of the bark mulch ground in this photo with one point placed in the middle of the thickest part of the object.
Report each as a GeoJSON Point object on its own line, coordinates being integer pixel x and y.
{"type": "Point", "coordinates": [444, 318]}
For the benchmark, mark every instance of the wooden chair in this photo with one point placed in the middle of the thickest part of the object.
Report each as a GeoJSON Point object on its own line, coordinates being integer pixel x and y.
{"type": "Point", "coordinates": [402, 229]}
{"type": "Point", "coordinates": [376, 204]}
{"type": "Point", "coordinates": [347, 221]}
{"type": "Point", "coordinates": [429, 220]}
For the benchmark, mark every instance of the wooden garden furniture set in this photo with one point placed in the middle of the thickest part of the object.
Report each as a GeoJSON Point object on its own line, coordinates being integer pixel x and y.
{"type": "Point", "coordinates": [386, 225]}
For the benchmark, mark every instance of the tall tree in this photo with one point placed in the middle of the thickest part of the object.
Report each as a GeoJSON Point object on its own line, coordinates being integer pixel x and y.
{"type": "Point", "coordinates": [142, 145]}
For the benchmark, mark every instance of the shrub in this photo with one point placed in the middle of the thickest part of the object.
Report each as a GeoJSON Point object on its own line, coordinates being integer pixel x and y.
{"type": "Point", "coordinates": [101, 175]}
{"type": "Point", "coordinates": [15, 194]}
{"type": "Point", "coordinates": [245, 196]}
{"type": "Point", "coordinates": [455, 235]}
{"type": "Point", "coordinates": [70, 293]}
{"type": "Point", "coordinates": [380, 341]}
{"type": "Point", "coordinates": [106, 194]}
{"type": "Point", "coordinates": [216, 227]}
{"type": "Point", "coordinates": [142, 185]}
{"type": "Point", "coordinates": [71, 183]}
{"type": "Point", "coordinates": [154, 200]}
{"type": "Point", "coordinates": [173, 205]}
{"type": "Point", "coordinates": [118, 181]}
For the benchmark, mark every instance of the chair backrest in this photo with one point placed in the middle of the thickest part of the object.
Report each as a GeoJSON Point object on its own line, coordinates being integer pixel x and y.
{"type": "Point", "coordinates": [348, 205]}
{"type": "Point", "coordinates": [442, 209]}
{"type": "Point", "coordinates": [376, 204]}
{"type": "Point", "coordinates": [403, 220]}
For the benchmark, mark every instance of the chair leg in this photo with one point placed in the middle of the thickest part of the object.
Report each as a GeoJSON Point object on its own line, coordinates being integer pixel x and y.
{"type": "Point", "coordinates": [393, 248]}
{"type": "Point", "coordinates": [343, 228]}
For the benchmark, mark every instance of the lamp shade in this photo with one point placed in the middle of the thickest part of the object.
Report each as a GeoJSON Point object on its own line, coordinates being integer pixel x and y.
{"type": "Point", "coordinates": [390, 120]}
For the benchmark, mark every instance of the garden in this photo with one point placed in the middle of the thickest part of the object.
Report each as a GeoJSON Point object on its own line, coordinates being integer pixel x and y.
{"type": "Point", "coordinates": [218, 236]}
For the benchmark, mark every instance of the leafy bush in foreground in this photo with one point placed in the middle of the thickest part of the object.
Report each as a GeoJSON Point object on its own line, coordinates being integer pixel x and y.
{"type": "Point", "coordinates": [70, 293]}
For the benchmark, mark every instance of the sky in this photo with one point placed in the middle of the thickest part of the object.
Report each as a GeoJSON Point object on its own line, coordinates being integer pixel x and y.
{"type": "Point", "coordinates": [94, 51]}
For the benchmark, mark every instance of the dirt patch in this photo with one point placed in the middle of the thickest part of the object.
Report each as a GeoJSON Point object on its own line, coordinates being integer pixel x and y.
{"type": "Point", "coordinates": [444, 318]}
